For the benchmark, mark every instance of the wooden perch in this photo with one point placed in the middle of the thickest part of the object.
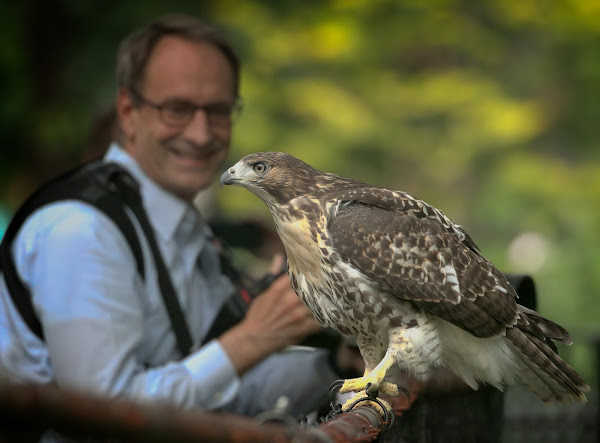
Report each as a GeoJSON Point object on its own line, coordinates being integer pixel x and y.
{"type": "Point", "coordinates": [26, 411]}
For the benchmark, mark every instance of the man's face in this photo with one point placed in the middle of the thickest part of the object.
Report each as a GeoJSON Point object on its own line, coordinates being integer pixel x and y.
{"type": "Point", "coordinates": [182, 159]}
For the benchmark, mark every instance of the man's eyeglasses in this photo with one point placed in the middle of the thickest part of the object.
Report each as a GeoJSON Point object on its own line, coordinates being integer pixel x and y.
{"type": "Point", "coordinates": [179, 113]}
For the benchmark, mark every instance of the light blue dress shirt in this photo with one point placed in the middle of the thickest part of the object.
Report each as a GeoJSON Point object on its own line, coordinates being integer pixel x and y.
{"type": "Point", "coordinates": [106, 330]}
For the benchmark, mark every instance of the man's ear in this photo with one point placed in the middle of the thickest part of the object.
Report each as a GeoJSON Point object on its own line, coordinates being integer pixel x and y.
{"type": "Point", "coordinates": [126, 113]}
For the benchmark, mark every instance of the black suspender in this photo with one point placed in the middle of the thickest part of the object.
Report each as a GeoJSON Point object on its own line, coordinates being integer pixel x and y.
{"type": "Point", "coordinates": [125, 186]}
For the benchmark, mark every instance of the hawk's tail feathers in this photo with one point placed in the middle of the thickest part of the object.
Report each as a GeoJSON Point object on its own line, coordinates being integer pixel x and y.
{"type": "Point", "coordinates": [547, 327]}
{"type": "Point", "coordinates": [544, 372]}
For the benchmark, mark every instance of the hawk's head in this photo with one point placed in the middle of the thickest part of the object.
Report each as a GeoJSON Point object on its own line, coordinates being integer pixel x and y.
{"type": "Point", "coordinates": [274, 177]}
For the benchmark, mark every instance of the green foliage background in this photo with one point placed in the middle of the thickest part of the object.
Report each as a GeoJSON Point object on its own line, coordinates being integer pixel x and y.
{"type": "Point", "coordinates": [486, 109]}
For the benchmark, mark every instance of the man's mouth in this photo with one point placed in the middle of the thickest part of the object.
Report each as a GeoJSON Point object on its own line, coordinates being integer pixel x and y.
{"type": "Point", "coordinates": [191, 154]}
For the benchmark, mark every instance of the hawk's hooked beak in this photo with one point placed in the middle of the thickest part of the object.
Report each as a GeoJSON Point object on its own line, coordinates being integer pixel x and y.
{"type": "Point", "coordinates": [228, 177]}
{"type": "Point", "coordinates": [239, 174]}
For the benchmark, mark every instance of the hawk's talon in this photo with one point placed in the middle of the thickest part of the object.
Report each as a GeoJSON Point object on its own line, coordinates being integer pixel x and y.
{"type": "Point", "coordinates": [359, 385]}
{"type": "Point", "coordinates": [335, 387]}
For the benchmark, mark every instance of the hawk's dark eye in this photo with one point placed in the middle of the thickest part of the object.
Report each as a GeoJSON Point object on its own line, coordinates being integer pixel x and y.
{"type": "Point", "coordinates": [260, 167]}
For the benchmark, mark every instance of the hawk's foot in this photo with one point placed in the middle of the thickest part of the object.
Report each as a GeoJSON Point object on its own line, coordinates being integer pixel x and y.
{"type": "Point", "coordinates": [372, 380]}
{"type": "Point", "coordinates": [369, 383]}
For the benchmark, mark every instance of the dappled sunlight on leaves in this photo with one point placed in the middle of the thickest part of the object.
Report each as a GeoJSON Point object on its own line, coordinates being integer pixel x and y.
{"type": "Point", "coordinates": [329, 107]}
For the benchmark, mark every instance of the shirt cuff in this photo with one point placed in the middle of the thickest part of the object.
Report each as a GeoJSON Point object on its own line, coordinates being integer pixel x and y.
{"type": "Point", "coordinates": [215, 377]}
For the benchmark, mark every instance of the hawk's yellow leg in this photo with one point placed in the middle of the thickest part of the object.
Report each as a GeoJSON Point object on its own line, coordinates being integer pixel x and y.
{"type": "Point", "coordinates": [371, 381]}
{"type": "Point", "coordinates": [373, 378]}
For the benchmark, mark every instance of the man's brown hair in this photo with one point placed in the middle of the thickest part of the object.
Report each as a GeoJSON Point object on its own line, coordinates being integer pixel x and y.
{"type": "Point", "coordinates": [135, 50]}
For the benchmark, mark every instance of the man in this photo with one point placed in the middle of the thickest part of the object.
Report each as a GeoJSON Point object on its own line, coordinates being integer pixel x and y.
{"type": "Point", "coordinates": [106, 330]}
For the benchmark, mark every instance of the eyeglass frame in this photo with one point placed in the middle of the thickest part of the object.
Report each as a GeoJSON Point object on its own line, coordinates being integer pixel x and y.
{"type": "Point", "coordinates": [211, 111]}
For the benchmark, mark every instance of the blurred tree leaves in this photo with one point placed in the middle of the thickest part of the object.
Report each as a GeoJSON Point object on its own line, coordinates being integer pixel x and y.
{"type": "Point", "coordinates": [486, 109]}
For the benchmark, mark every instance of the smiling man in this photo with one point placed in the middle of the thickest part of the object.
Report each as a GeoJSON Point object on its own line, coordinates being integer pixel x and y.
{"type": "Point", "coordinates": [105, 328]}
{"type": "Point", "coordinates": [177, 118]}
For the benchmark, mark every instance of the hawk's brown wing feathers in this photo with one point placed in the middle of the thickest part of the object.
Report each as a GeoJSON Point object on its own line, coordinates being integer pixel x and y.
{"type": "Point", "coordinates": [398, 201]}
{"type": "Point", "coordinates": [414, 258]}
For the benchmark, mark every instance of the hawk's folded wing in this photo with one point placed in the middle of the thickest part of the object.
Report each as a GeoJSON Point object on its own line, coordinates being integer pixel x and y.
{"type": "Point", "coordinates": [412, 250]}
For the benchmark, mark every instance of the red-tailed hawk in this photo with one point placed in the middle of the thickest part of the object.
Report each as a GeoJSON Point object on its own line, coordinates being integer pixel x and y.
{"type": "Point", "coordinates": [405, 281]}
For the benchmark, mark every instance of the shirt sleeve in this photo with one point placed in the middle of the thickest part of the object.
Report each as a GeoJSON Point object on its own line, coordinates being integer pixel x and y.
{"type": "Point", "coordinates": [93, 308]}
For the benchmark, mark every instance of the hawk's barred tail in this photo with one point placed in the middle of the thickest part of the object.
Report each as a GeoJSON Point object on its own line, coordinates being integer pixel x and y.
{"type": "Point", "coordinates": [544, 372]}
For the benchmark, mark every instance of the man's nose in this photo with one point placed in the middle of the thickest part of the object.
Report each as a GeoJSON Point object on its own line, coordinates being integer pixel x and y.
{"type": "Point", "coordinates": [199, 129]}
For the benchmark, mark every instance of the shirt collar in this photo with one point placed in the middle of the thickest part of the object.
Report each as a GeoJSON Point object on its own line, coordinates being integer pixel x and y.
{"type": "Point", "coordinates": [165, 210]}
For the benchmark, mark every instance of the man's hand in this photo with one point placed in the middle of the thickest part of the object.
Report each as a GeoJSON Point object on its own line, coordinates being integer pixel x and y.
{"type": "Point", "coordinates": [275, 319]}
